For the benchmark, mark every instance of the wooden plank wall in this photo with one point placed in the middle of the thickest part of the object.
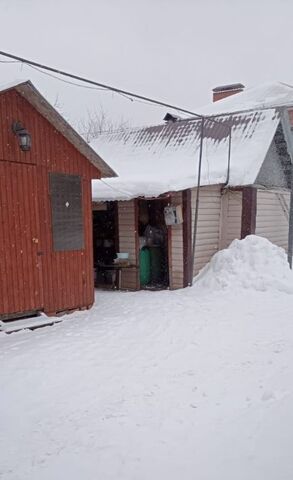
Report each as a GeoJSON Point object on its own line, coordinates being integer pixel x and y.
{"type": "Point", "coordinates": [128, 241]}
{"type": "Point", "coordinates": [208, 229]}
{"type": "Point", "coordinates": [231, 212]}
{"type": "Point", "coordinates": [176, 273]}
{"type": "Point", "coordinates": [271, 218]}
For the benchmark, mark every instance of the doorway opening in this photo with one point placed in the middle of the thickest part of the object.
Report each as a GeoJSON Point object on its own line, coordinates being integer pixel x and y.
{"type": "Point", "coordinates": [153, 244]}
{"type": "Point", "coordinates": [105, 242]}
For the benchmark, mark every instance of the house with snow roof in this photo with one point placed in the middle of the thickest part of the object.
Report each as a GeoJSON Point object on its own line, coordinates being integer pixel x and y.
{"type": "Point", "coordinates": [148, 210]}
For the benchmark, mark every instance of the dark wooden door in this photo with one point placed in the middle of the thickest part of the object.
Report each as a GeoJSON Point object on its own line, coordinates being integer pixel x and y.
{"type": "Point", "coordinates": [20, 250]}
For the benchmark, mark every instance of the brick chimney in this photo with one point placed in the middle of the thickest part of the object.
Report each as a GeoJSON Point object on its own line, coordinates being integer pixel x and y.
{"type": "Point", "coordinates": [226, 90]}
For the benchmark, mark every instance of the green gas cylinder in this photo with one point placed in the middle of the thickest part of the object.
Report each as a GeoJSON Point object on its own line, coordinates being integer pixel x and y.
{"type": "Point", "coordinates": [144, 266]}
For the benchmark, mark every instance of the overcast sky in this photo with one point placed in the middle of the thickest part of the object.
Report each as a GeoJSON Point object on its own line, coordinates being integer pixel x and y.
{"type": "Point", "coordinates": [176, 51]}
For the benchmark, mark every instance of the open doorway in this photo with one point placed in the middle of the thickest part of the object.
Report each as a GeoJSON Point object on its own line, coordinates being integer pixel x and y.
{"type": "Point", "coordinates": [153, 244]}
{"type": "Point", "coordinates": [105, 242]}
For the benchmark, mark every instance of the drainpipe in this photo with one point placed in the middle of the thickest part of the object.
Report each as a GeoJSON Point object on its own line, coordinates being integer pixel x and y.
{"type": "Point", "coordinates": [229, 155]}
{"type": "Point", "coordinates": [198, 187]}
{"type": "Point", "coordinates": [197, 200]}
{"type": "Point", "coordinates": [285, 121]}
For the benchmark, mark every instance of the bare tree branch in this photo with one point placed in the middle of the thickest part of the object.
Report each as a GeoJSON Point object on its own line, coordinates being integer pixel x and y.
{"type": "Point", "coordinates": [98, 122]}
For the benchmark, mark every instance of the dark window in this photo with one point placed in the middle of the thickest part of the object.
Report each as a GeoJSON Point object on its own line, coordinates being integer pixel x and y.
{"type": "Point", "coordinates": [67, 217]}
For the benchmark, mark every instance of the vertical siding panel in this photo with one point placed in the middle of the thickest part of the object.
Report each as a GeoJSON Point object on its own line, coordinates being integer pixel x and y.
{"type": "Point", "coordinates": [19, 220]}
{"type": "Point", "coordinates": [30, 233]}
{"type": "Point", "coordinates": [271, 217]}
{"type": "Point", "coordinates": [61, 259]}
{"type": "Point", "coordinates": [25, 278]}
{"type": "Point", "coordinates": [176, 269]}
{"type": "Point", "coordinates": [6, 292]}
{"type": "Point", "coordinates": [128, 241]}
{"type": "Point", "coordinates": [20, 279]}
{"type": "Point", "coordinates": [208, 228]}
{"type": "Point", "coordinates": [2, 123]}
{"type": "Point", "coordinates": [12, 273]}
{"type": "Point", "coordinates": [55, 258]}
{"type": "Point", "coordinates": [39, 285]}
{"type": "Point", "coordinates": [2, 251]}
{"type": "Point", "coordinates": [89, 257]}
{"type": "Point", "coordinates": [231, 214]}
{"type": "Point", "coordinates": [45, 234]}
{"type": "Point", "coordinates": [5, 130]}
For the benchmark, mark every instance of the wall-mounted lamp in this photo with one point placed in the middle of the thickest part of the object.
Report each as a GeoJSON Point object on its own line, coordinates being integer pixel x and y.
{"type": "Point", "coordinates": [24, 138]}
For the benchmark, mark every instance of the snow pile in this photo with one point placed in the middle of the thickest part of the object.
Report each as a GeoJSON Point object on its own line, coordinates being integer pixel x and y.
{"type": "Point", "coordinates": [253, 263]}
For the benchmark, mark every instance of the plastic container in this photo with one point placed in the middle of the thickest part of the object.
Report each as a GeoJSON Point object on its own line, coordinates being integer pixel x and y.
{"type": "Point", "coordinates": [122, 256]}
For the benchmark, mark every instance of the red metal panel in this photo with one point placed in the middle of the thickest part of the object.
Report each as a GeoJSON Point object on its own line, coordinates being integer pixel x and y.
{"type": "Point", "coordinates": [65, 281]}
{"type": "Point", "coordinates": [21, 288]}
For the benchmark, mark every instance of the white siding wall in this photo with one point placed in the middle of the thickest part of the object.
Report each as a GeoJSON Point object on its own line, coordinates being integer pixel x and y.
{"type": "Point", "coordinates": [208, 228]}
{"type": "Point", "coordinates": [271, 217]}
{"type": "Point", "coordinates": [176, 248]}
{"type": "Point", "coordinates": [231, 213]}
{"type": "Point", "coordinates": [128, 242]}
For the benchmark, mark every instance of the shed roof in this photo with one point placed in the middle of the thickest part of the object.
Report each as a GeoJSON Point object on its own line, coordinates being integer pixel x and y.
{"type": "Point", "coordinates": [36, 99]}
{"type": "Point", "coordinates": [153, 160]}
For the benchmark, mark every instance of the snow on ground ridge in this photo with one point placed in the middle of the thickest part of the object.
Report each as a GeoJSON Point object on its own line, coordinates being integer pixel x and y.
{"type": "Point", "coordinates": [252, 263]}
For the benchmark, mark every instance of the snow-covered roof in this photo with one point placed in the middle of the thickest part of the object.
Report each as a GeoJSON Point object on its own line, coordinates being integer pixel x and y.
{"type": "Point", "coordinates": [266, 95]}
{"type": "Point", "coordinates": [32, 95]}
{"type": "Point", "coordinates": [153, 160]}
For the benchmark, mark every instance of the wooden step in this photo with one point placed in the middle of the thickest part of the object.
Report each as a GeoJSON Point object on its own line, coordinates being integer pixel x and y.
{"type": "Point", "coordinates": [28, 323]}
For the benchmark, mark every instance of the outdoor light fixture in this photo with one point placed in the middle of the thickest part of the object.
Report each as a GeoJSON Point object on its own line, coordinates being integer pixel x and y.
{"type": "Point", "coordinates": [24, 138]}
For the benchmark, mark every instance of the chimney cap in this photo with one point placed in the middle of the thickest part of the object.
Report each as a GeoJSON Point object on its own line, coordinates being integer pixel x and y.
{"type": "Point", "coordinates": [227, 88]}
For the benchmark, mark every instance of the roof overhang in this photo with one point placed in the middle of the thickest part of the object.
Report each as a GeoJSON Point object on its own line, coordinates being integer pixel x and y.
{"type": "Point", "coordinates": [36, 99]}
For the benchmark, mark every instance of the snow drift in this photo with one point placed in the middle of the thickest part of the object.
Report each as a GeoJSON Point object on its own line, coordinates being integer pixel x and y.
{"type": "Point", "coordinates": [252, 263]}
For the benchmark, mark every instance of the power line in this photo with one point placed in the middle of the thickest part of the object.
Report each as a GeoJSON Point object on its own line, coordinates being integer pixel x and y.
{"type": "Point", "coordinates": [98, 84]}
{"type": "Point", "coordinates": [9, 61]}
{"type": "Point", "coordinates": [106, 87]}
{"type": "Point", "coordinates": [79, 84]}
{"type": "Point", "coordinates": [68, 82]}
{"type": "Point", "coordinates": [60, 79]}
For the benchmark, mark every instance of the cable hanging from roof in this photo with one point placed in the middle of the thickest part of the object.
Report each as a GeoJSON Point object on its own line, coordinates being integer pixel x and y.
{"type": "Point", "coordinates": [103, 86]}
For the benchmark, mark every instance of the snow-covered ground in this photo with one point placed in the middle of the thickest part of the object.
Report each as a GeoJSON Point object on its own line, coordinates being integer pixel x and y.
{"type": "Point", "coordinates": [192, 384]}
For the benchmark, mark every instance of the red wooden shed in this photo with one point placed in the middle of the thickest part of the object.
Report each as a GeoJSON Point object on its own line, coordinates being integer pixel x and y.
{"type": "Point", "coordinates": [46, 168]}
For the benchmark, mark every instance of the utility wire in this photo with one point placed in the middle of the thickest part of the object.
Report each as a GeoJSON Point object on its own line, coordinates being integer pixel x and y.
{"type": "Point", "coordinates": [101, 89]}
{"type": "Point", "coordinates": [123, 192]}
{"type": "Point", "coordinates": [9, 61]}
{"type": "Point", "coordinates": [61, 79]}
{"type": "Point", "coordinates": [106, 87]}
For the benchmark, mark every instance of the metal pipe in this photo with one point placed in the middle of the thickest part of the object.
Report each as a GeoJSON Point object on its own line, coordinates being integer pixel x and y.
{"type": "Point", "coordinates": [286, 126]}
{"type": "Point", "coordinates": [229, 156]}
{"type": "Point", "coordinates": [290, 233]}
{"type": "Point", "coordinates": [197, 200]}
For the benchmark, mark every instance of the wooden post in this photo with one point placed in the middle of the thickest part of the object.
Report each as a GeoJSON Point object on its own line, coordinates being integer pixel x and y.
{"type": "Point", "coordinates": [248, 219]}
{"type": "Point", "coordinates": [187, 234]}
